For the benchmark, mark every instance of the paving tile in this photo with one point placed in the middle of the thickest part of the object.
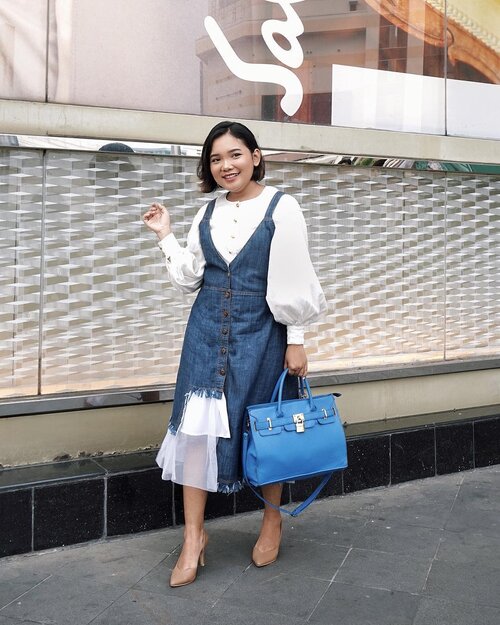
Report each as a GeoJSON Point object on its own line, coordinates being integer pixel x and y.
{"type": "Point", "coordinates": [313, 524]}
{"type": "Point", "coordinates": [418, 542]}
{"type": "Point", "coordinates": [148, 608]}
{"type": "Point", "coordinates": [5, 620]}
{"type": "Point", "coordinates": [225, 562]}
{"type": "Point", "coordinates": [113, 564]}
{"type": "Point", "coordinates": [474, 520]}
{"type": "Point", "coordinates": [479, 495]}
{"type": "Point", "coordinates": [14, 583]}
{"type": "Point", "coordinates": [227, 614]}
{"type": "Point", "coordinates": [414, 514]}
{"type": "Point", "coordinates": [438, 489]}
{"type": "Point", "coordinates": [467, 547]}
{"type": "Point", "coordinates": [249, 523]}
{"type": "Point", "coordinates": [65, 601]}
{"type": "Point", "coordinates": [288, 594]}
{"type": "Point", "coordinates": [326, 529]}
{"type": "Point", "coordinates": [351, 605]}
{"type": "Point", "coordinates": [359, 504]}
{"type": "Point", "coordinates": [386, 571]}
{"type": "Point", "coordinates": [439, 612]}
{"type": "Point", "coordinates": [489, 475]}
{"type": "Point", "coordinates": [474, 583]}
{"type": "Point", "coordinates": [419, 503]}
{"type": "Point", "coordinates": [309, 558]}
{"type": "Point", "coordinates": [226, 547]}
{"type": "Point", "coordinates": [160, 541]}
{"type": "Point", "coordinates": [47, 562]}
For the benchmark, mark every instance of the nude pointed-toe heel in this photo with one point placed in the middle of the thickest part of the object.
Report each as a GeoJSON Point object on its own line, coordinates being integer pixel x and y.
{"type": "Point", "coordinates": [263, 557]}
{"type": "Point", "coordinates": [183, 577]}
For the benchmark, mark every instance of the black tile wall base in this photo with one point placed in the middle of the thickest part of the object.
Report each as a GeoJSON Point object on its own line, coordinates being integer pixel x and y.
{"type": "Point", "coordinates": [16, 529]}
{"type": "Point", "coordinates": [454, 448]}
{"type": "Point", "coordinates": [369, 463]}
{"type": "Point", "coordinates": [413, 455]}
{"type": "Point", "coordinates": [64, 503]}
{"type": "Point", "coordinates": [137, 502]}
{"type": "Point", "coordinates": [68, 513]}
{"type": "Point", "coordinates": [487, 442]}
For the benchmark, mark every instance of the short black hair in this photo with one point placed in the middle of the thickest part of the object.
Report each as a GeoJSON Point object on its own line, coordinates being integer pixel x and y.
{"type": "Point", "coordinates": [239, 131]}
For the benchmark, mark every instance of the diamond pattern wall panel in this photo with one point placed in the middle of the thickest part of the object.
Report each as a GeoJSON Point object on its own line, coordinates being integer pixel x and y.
{"type": "Point", "coordinates": [21, 179]}
{"type": "Point", "coordinates": [473, 266]}
{"type": "Point", "coordinates": [110, 317]}
{"type": "Point", "coordinates": [377, 240]}
{"type": "Point", "coordinates": [408, 260]}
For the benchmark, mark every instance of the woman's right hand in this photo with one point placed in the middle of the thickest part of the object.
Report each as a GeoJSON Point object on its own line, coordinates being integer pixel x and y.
{"type": "Point", "coordinates": [157, 219]}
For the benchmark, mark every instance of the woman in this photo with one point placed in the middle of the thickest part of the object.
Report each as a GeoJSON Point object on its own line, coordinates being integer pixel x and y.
{"type": "Point", "coordinates": [247, 253]}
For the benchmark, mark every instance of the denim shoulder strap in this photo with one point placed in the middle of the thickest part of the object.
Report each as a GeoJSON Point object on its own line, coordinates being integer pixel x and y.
{"type": "Point", "coordinates": [210, 209]}
{"type": "Point", "coordinates": [272, 204]}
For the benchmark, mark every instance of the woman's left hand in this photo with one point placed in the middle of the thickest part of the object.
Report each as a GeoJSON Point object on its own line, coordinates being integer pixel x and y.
{"type": "Point", "coordinates": [296, 360]}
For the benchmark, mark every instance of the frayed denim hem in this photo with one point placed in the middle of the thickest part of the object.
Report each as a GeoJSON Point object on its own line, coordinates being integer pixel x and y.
{"type": "Point", "coordinates": [229, 489]}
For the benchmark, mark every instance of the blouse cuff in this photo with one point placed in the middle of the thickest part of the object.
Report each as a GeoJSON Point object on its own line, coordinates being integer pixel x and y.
{"type": "Point", "coordinates": [295, 335]}
{"type": "Point", "coordinates": [169, 245]}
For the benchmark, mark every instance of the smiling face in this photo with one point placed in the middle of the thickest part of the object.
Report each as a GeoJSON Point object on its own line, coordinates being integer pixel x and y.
{"type": "Point", "coordinates": [232, 166]}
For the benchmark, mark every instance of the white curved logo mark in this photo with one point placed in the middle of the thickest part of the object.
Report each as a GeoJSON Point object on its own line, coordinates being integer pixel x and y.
{"type": "Point", "coordinates": [291, 28]}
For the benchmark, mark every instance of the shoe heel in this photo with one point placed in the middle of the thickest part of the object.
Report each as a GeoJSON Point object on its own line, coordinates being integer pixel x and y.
{"type": "Point", "coordinates": [201, 559]}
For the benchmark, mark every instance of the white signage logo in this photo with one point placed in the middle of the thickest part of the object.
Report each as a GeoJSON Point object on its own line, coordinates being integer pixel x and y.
{"type": "Point", "coordinates": [290, 28]}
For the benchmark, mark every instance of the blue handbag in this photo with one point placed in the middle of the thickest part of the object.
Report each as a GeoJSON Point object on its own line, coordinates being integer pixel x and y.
{"type": "Point", "coordinates": [293, 440]}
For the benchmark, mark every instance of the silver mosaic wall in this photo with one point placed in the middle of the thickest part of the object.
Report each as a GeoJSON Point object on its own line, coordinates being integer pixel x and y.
{"type": "Point", "coordinates": [409, 262]}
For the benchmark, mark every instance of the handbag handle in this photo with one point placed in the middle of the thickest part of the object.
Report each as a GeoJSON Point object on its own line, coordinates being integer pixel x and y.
{"type": "Point", "coordinates": [279, 385]}
{"type": "Point", "coordinates": [302, 389]}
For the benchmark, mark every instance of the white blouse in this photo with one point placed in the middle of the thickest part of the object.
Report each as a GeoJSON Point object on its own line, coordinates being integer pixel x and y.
{"type": "Point", "coordinates": [294, 296]}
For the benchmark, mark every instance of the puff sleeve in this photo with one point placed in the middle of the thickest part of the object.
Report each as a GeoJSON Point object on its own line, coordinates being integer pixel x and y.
{"type": "Point", "coordinates": [294, 293]}
{"type": "Point", "coordinates": [185, 265]}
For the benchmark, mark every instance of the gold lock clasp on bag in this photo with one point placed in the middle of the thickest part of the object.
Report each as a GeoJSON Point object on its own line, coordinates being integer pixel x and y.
{"type": "Point", "coordinates": [299, 421]}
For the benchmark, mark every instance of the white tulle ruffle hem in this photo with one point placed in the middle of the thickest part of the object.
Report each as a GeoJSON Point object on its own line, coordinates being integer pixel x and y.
{"type": "Point", "coordinates": [189, 456]}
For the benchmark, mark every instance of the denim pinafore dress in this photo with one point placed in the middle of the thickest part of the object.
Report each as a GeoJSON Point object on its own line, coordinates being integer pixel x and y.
{"type": "Point", "coordinates": [232, 343]}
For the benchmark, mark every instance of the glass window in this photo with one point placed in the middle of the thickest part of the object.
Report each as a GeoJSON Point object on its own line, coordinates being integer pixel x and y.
{"type": "Point", "coordinates": [407, 259]}
{"type": "Point", "coordinates": [363, 64]}
{"type": "Point", "coordinates": [23, 49]}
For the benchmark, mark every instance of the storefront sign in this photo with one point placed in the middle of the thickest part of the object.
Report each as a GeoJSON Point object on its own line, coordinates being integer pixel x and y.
{"type": "Point", "coordinates": [290, 29]}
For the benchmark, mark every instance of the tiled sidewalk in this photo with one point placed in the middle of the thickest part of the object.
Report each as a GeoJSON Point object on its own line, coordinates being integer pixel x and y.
{"type": "Point", "coordinates": [420, 553]}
